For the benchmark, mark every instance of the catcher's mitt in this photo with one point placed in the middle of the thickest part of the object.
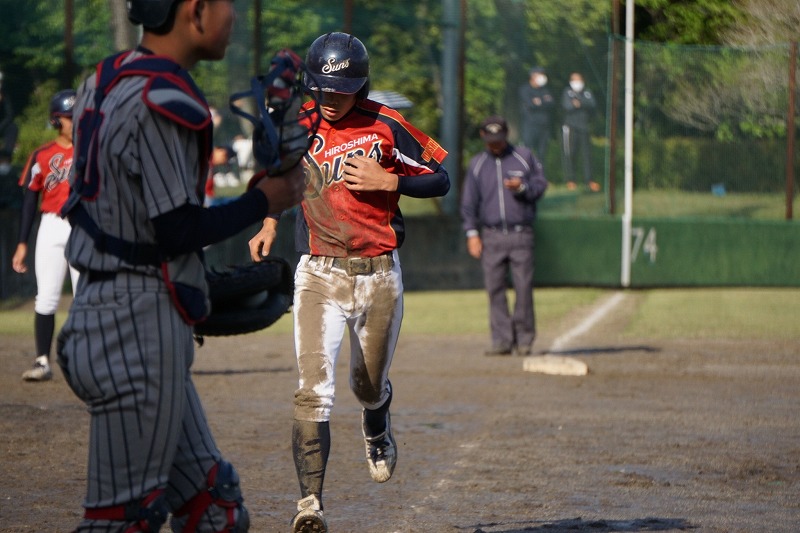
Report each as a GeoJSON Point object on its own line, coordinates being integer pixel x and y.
{"type": "Point", "coordinates": [247, 298]}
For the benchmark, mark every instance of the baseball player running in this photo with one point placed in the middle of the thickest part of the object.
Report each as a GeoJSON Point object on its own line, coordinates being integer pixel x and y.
{"type": "Point", "coordinates": [362, 159]}
{"type": "Point", "coordinates": [46, 174]}
{"type": "Point", "coordinates": [143, 145]}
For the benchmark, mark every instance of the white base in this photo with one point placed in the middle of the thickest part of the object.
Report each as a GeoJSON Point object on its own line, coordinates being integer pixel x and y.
{"type": "Point", "coordinates": [555, 365]}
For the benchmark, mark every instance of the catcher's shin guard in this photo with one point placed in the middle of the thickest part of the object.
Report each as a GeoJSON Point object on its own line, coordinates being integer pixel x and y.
{"type": "Point", "coordinates": [144, 516]}
{"type": "Point", "coordinates": [225, 494]}
{"type": "Point", "coordinates": [311, 444]}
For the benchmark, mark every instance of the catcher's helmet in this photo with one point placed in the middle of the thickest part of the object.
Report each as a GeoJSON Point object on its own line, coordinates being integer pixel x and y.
{"type": "Point", "coordinates": [339, 63]}
{"type": "Point", "coordinates": [149, 13]}
{"type": "Point", "coordinates": [61, 106]}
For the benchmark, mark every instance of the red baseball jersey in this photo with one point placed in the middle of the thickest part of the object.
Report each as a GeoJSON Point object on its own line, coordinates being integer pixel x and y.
{"type": "Point", "coordinates": [339, 222]}
{"type": "Point", "coordinates": [47, 171]}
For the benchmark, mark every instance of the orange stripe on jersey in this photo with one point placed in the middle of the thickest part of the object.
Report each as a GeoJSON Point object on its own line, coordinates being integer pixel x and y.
{"type": "Point", "coordinates": [433, 151]}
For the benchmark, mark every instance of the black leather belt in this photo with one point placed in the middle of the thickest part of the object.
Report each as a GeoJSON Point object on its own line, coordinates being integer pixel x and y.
{"type": "Point", "coordinates": [94, 276]}
{"type": "Point", "coordinates": [361, 265]}
{"type": "Point", "coordinates": [513, 228]}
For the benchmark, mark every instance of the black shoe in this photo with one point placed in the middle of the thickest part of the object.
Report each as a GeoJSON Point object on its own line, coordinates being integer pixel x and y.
{"type": "Point", "coordinates": [381, 451]}
{"type": "Point", "coordinates": [498, 350]}
{"type": "Point", "coordinates": [309, 517]}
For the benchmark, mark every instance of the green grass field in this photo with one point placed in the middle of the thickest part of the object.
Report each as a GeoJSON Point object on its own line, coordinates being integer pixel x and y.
{"type": "Point", "coordinates": [660, 314]}
{"type": "Point", "coordinates": [651, 204]}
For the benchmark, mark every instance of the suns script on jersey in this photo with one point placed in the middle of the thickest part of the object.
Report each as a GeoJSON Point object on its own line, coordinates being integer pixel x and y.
{"type": "Point", "coordinates": [59, 169]}
{"type": "Point", "coordinates": [367, 145]}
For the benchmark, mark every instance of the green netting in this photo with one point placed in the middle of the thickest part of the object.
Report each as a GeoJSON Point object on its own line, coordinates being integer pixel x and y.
{"type": "Point", "coordinates": [710, 122]}
{"type": "Point", "coordinates": [709, 130]}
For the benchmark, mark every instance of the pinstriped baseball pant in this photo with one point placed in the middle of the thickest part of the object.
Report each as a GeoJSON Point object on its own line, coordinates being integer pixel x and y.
{"type": "Point", "coordinates": [327, 301]}
{"type": "Point", "coordinates": [126, 353]}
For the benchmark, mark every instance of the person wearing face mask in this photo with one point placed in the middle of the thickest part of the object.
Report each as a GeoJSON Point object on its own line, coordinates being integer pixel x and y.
{"type": "Point", "coordinates": [578, 103]}
{"type": "Point", "coordinates": [537, 111]}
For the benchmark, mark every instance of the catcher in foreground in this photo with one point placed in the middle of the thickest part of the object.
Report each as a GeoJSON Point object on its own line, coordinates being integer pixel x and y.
{"type": "Point", "coordinates": [142, 147]}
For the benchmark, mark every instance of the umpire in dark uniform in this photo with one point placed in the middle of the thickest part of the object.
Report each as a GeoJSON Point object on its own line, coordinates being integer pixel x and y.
{"type": "Point", "coordinates": [536, 104]}
{"type": "Point", "coordinates": [498, 207]}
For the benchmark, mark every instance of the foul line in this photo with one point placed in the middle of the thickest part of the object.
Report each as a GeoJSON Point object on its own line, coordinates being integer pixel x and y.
{"type": "Point", "coordinates": [561, 342]}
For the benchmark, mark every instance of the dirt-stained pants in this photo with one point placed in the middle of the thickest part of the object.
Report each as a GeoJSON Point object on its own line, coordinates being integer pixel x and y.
{"type": "Point", "coordinates": [326, 301]}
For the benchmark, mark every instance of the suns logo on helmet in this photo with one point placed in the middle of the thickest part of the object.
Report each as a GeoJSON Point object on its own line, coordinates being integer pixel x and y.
{"type": "Point", "coordinates": [333, 66]}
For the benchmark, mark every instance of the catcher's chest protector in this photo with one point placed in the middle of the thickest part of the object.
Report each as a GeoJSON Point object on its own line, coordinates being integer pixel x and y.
{"type": "Point", "coordinates": [170, 91]}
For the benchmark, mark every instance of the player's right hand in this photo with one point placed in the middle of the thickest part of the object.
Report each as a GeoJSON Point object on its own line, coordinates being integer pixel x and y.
{"type": "Point", "coordinates": [261, 243]}
{"type": "Point", "coordinates": [18, 261]}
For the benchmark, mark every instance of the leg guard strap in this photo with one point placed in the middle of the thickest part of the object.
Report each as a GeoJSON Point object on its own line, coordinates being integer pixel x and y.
{"type": "Point", "coordinates": [223, 491]}
{"type": "Point", "coordinates": [148, 514]}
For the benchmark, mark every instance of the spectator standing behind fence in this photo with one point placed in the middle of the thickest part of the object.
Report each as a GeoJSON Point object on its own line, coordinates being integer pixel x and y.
{"type": "Point", "coordinates": [46, 174]}
{"type": "Point", "coordinates": [578, 104]}
{"type": "Point", "coordinates": [537, 106]}
{"type": "Point", "coordinates": [498, 207]}
{"type": "Point", "coordinates": [8, 128]}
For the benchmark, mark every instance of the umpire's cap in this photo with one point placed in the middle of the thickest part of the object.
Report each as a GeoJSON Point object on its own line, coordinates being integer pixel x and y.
{"type": "Point", "coordinates": [149, 13]}
{"type": "Point", "coordinates": [338, 62]}
{"type": "Point", "coordinates": [494, 128]}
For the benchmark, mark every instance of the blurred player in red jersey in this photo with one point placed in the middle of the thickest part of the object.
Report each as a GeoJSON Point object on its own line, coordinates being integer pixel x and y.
{"type": "Point", "coordinates": [46, 173]}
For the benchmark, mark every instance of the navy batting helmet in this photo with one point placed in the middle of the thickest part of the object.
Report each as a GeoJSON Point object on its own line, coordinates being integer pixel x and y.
{"type": "Point", "coordinates": [149, 13]}
{"type": "Point", "coordinates": [339, 63]}
{"type": "Point", "coordinates": [61, 106]}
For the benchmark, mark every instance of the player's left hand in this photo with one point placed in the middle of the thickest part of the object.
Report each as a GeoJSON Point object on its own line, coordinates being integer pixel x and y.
{"type": "Point", "coordinates": [18, 261]}
{"type": "Point", "coordinates": [366, 174]}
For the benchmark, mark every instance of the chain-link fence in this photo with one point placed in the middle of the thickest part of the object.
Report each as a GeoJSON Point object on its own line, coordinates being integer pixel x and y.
{"type": "Point", "coordinates": [710, 130]}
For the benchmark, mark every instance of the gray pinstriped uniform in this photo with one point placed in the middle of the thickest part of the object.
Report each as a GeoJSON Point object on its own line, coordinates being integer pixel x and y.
{"type": "Point", "coordinates": [124, 348]}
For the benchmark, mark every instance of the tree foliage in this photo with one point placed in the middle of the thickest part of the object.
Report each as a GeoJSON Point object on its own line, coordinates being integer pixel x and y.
{"type": "Point", "coordinates": [685, 21]}
{"type": "Point", "coordinates": [736, 91]}
{"type": "Point", "coordinates": [503, 40]}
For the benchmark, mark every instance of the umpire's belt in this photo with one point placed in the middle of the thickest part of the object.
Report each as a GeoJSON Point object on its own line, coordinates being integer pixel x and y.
{"type": "Point", "coordinates": [510, 228]}
{"type": "Point", "coordinates": [360, 265]}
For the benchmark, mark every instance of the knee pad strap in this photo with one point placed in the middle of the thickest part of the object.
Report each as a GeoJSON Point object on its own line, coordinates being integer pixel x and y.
{"type": "Point", "coordinates": [148, 514]}
{"type": "Point", "coordinates": [223, 491]}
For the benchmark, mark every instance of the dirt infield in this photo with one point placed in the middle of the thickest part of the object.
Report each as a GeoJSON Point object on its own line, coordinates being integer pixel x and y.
{"type": "Point", "coordinates": [670, 436]}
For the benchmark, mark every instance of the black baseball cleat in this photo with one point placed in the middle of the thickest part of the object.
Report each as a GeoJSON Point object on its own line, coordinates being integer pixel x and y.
{"type": "Point", "coordinates": [381, 451]}
{"type": "Point", "coordinates": [309, 518]}
{"type": "Point", "coordinates": [498, 350]}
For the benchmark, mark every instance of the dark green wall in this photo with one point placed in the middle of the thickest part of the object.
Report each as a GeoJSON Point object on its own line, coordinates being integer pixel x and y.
{"type": "Point", "coordinates": [586, 251]}
{"type": "Point", "coordinates": [570, 251]}
{"type": "Point", "coordinates": [725, 253]}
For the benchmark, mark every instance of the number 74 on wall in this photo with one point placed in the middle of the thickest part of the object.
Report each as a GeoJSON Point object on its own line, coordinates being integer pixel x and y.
{"type": "Point", "coordinates": [644, 242]}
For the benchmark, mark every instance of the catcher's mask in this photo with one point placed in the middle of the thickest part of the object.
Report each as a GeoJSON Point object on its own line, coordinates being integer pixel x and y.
{"type": "Point", "coordinates": [279, 141]}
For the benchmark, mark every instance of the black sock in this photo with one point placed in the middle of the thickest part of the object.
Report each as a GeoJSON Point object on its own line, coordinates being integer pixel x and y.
{"type": "Point", "coordinates": [311, 444]}
{"type": "Point", "coordinates": [43, 328]}
{"type": "Point", "coordinates": [375, 419]}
